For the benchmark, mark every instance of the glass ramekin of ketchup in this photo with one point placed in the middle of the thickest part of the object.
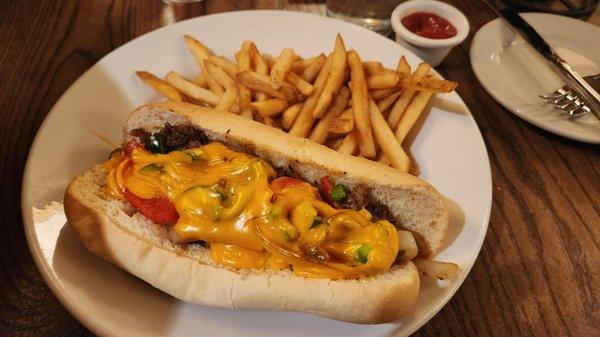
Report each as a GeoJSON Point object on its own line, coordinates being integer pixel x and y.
{"type": "Point", "coordinates": [429, 28]}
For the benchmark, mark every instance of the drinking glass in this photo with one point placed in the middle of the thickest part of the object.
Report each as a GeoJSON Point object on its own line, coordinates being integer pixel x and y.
{"type": "Point", "coordinates": [371, 14]}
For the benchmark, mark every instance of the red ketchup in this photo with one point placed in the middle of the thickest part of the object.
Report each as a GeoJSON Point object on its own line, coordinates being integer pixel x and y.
{"type": "Point", "coordinates": [429, 25]}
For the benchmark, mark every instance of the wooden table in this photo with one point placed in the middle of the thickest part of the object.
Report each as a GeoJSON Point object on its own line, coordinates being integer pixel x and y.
{"type": "Point", "coordinates": [539, 269]}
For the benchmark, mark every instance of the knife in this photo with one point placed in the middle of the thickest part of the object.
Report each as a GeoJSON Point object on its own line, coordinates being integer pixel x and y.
{"type": "Point", "coordinates": [556, 63]}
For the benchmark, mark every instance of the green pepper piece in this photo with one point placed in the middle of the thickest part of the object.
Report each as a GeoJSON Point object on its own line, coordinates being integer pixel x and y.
{"type": "Point", "coordinates": [362, 254]}
{"type": "Point", "coordinates": [338, 193]}
{"type": "Point", "coordinates": [157, 143]}
{"type": "Point", "coordinates": [316, 221]}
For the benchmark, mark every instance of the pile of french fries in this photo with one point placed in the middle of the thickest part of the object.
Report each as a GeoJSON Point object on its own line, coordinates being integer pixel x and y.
{"type": "Point", "coordinates": [352, 106]}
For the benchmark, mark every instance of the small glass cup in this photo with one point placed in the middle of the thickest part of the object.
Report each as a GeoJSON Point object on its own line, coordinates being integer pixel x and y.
{"type": "Point", "coordinates": [371, 14]}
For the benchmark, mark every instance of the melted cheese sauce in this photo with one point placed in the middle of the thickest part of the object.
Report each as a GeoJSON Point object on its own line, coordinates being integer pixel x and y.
{"type": "Point", "coordinates": [226, 198]}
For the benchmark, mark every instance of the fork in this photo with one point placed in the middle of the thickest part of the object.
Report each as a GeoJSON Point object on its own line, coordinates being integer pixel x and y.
{"type": "Point", "coordinates": [566, 100]}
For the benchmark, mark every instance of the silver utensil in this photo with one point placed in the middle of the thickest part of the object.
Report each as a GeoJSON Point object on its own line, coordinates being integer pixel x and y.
{"type": "Point", "coordinates": [566, 100]}
{"type": "Point", "coordinates": [588, 97]}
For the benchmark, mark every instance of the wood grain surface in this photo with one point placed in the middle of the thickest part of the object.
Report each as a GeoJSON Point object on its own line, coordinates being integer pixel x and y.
{"type": "Point", "coordinates": [539, 270]}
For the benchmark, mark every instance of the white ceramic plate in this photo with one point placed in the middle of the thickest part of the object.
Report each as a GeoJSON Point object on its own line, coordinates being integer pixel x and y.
{"type": "Point", "coordinates": [514, 74]}
{"type": "Point", "coordinates": [109, 301]}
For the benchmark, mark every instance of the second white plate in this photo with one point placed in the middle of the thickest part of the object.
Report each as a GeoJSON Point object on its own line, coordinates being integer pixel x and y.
{"type": "Point", "coordinates": [514, 74]}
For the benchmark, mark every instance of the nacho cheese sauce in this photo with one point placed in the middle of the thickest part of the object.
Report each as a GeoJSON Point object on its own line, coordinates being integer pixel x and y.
{"type": "Point", "coordinates": [249, 218]}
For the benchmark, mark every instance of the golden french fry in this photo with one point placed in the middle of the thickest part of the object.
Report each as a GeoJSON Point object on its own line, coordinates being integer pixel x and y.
{"type": "Point", "coordinates": [201, 80]}
{"type": "Point", "coordinates": [436, 269]}
{"type": "Point", "coordinates": [386, 140]}
{"type": "Point", "coordinates": [387, 102]}
{"type": "Point", "coordinates": [281, 67]}
{"type": "Point", "coordinates": [228, 99]}
{"type": "Point", "coordinates": [412, 113]}
{"type": "Point", "coordinates": [260, 66]}
{"type": "Point", "coordinates": [344, 123]}
{"type": "Point", "coordinates": [299, 66]}
{"type": "Point", "coordinates": [406, 96]}
{"type": "Point", "coordinates": [382, 81]}
{"type": "Point", "coordinates": [321, 130]}
{"type": "Point", "coordinates": [403, 68]}
{"type": "Point", "coordinates": [247, 113]}
{"type": "Point", "coordinates": [259, 82]}
{"type": "Point", "coordinates": [360, 106]}
{"type": "Point", "coordinates": [200, 53]}
{"type": "Point", "coordinates": [160, 85]}
{"type": "Point", "coordinates": [229, 67]}
{"type": "Point", "coordinates": [191, 89]}
{"type": "Point", "coordinates": [350, 143]}
{"type": "Point", "coordinates": [305, 118]}
{"type": "Point", "coordinates": [219, 75]}
{"type": "Point", "coordinates": [407, 246]}
{"type": "Point", "coordinates": [289, 116]}
{"type": "Point", "coordinates": [243, 58]}
{"type": "Point", "coordinates": [245, 96]}
{"type": "Point", "coordinates": [334, 143]}
{"type": "Point", "coordinates": [430, 84]}
{"type": "Point", "coordinates": [335, 78]}
{"type": "Point", "coordinates": [372, 68]}
{"type": "Point", "coordinates": [310, 73]}
{"type": "Point", "coordinates": [269, 107]}
{"type": "Point", "coordinates": [382, 93]}
{"type": "Point", "coordinates": [303, 87]}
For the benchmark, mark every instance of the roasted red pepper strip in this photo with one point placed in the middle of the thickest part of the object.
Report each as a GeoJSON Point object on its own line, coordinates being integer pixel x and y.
{"type": "Point", "coordinates": [159, 210]}
{"type": "Point", "coordinates": [278, 184]}
{"type": "Point", "coordinates": [326, 188]}
{"type": "Point", "coordinates": [130, 146]}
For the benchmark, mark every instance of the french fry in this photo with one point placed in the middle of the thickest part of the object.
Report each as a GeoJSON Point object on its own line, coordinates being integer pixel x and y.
{"type": "Point", "coordinates": [406, 96]}
{"type": "Point", "coordinates": [191, 89]}
{"type": "Point", "coordinates": [247, 113]}
{"type": "Point", "coordinates": [412, 113]}
{"type": "Point", "coordinates": [382, 93]}
{"type": "Point", "coordinates": [382, 81]}
{"type": "Point", "coordinates": [386, 140]}
{"type": "Point", "coordinates": [403, 68]}
{"type": "Point", "coordinates": [260, 66]}
{"type": "Point", "coordinates": [299, 66]}
{"type": "Point", "coordinates": [243, 58]}
{"type": "Point", "coordinates": [201, 80]}
{"type": "Point", "coordinates": [303, 87]}
{"type": "Point", "coordinates": [245, 96]}
{"type": "Point", "coordinates": [334, 143]}
{"type": "Point", "coordinates": [407, 246]}
{"type": "Point", "coordinates": [387, 102]}
{"type": "Point", "coordinates": [200, 53]}
{"type": "Point", "coordinates": [289, 115]}
{"type": "Point", "coordinates": [430, 84]}
{"type": "Point", "coordinates": [304, 121]}
{"type": "Point", "coordinates": [259, 82]}
{"type": "Point", "coordinates": [229, 67]}
{"type": "Point", "coordinates": [360, 106]}
{"type": "Point", "coordinates": [160, 85]}
{"type": "Point", "coordinates": [321, 130]}
{"type": "Point", "coordinates": [372, 68]}
{"type": "Point", "coordinates": [310, 73]}
{"type": "Point", "coordinates": [228, 99]}
{"type": "Point", "coordinates": [436, 269]}
{"type": "Point", "coordinates": [269, 107]}
{"type": "Point", "coordinates": [350, 143]}
{"type": "Point", "coordinates": [335, 78]}
{"type": "Point", "coordinates": [344, 123]}
{"type": "Point", "coordinates": [281, 67]}
{"type": "Point", "coordinates": [219, 75]}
